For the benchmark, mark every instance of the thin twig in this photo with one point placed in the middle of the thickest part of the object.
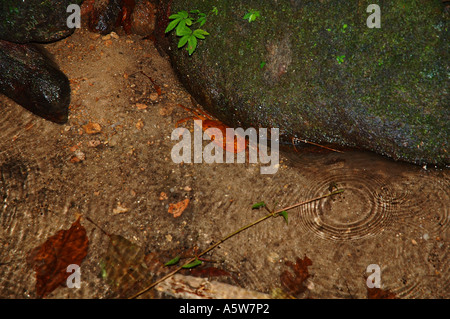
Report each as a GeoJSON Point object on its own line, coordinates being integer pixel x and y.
{"type": "Point", "coordinates": [271, 214]}
{"type": "Point", "coordinates": [295, 139]}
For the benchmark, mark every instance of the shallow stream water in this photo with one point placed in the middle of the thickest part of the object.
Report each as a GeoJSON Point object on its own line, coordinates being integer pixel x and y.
{"type": "Point", "coordinates": [391, 214]}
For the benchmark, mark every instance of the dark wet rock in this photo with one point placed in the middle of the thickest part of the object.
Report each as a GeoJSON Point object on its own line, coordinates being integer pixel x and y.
{"type": "Point", "coordinates": [142, 20]}
{"type": "Point", "coordinates": [105, 15]}
{"type": "Point", "coordinates": [30, 77]}
{"type": "Point", "coordinates": [316, 71]}
{"type": "Point", "coordinates": [27, 73]}
{"type": "Point", "coordinates": [35, 20]}
{"type": "Point", "coordinates": [135, 16]}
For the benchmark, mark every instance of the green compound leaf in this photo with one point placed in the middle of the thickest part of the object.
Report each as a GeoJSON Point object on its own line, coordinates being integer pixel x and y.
{"type": "Point", "coordinates": [252, 15]}
{"type": "Point", "coordinates": [173, 261]}
{"type": "Point", "coordinates": [193, 264]}
{"type": "Point", "coordinates": [258, 205]}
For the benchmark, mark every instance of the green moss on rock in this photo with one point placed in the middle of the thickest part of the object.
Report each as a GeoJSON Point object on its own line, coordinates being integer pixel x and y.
{"type": "Point", "coordinates": [327, 77]}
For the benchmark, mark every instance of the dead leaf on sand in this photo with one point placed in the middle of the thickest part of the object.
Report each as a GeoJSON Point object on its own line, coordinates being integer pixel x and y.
{"type": "Point", "coordinates": [177, 209]}
{"type": "Point", "coordinates": [51, 259]}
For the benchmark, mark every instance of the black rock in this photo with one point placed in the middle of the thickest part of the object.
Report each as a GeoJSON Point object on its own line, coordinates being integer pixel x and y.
{"type": "Point", "coordinates": [27, 73]}
{"type": "Point", "coordinates": [29, 77]}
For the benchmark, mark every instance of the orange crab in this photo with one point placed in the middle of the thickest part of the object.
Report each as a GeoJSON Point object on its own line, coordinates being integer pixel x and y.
{"type": "Point", "coordinates": [237, 145]}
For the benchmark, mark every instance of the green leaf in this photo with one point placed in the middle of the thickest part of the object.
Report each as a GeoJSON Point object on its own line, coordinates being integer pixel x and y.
{"type": "Point", "coordinates": [252, 15]}
{"type": "Point", "coordinates": [176, 16]}
{"type": "Point", "coordinates": [172, 25]}
{"type": "Point", "coordinates": [285, 215]}
{"type": "Point", "coordinates": [258, 205]}
{"type": "Point", "coordinates": [201, 20]}
{"type": "Point", "coordinates": [199, 33]}
{"type": "Point", "coordinates": [195, 11]}
{"type": "Point", "coordinates": [262, 64]}
{"type": "Point", "coordinates": [183, 41]}
{"type": "Point", "coordinates": [173, 261]}
{"type": "Point", "coordinates": [182, 29]}
{"type": "Point", "coordinates": [214, 10]}
{"type": "Point", "coordinates": [192, 44]}
{"type": "Point", "coordinates": [183, 14]}
{"type": "Point", "coordinates": [193, 264]}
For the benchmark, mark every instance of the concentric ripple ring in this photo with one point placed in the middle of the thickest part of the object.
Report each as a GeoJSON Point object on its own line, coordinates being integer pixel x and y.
{"type": "Point", "coordinates": [365, 208]}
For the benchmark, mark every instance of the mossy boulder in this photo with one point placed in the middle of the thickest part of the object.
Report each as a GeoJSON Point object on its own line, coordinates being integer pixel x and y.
{"type": "Point", "coordinates": [315, 70]}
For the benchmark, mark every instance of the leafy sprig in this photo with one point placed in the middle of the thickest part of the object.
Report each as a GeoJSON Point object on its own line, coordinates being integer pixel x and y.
{"type": "Point", "coordinates": [182, 23]}
{"type": "Point", "coordinates": [252, 15]}
{"type": "Point", "coordinates": [196, 261]}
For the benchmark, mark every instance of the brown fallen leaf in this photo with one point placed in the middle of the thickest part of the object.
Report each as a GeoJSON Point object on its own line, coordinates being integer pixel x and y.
{"type": "Point", "coordinates": [51, 259]}
{"type": "Point", "coordinates": [177, 209]}
{"type": "Point", "coordinates": [294, 284]}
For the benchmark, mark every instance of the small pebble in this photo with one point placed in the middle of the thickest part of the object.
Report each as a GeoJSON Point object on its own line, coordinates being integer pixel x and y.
{"type": "Point", "coordinates": [120, 209]}
{"type": "Point", "coordinates": [80, 155]}
{"type": "Point", "coordinates": [92, 128]}
{"type": "Point", "coordinates": [141, 106]}
{"type": "Point", "coordinates": [154, 96]}
{"type": "Point", "coordinates": [163, 196]}
{"type": "Point", "coordinates": [95, 36]}
{"type": "Point", "coordinates": [94, 143]}
{"type": "Point", "coordinates": [139, 124]}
